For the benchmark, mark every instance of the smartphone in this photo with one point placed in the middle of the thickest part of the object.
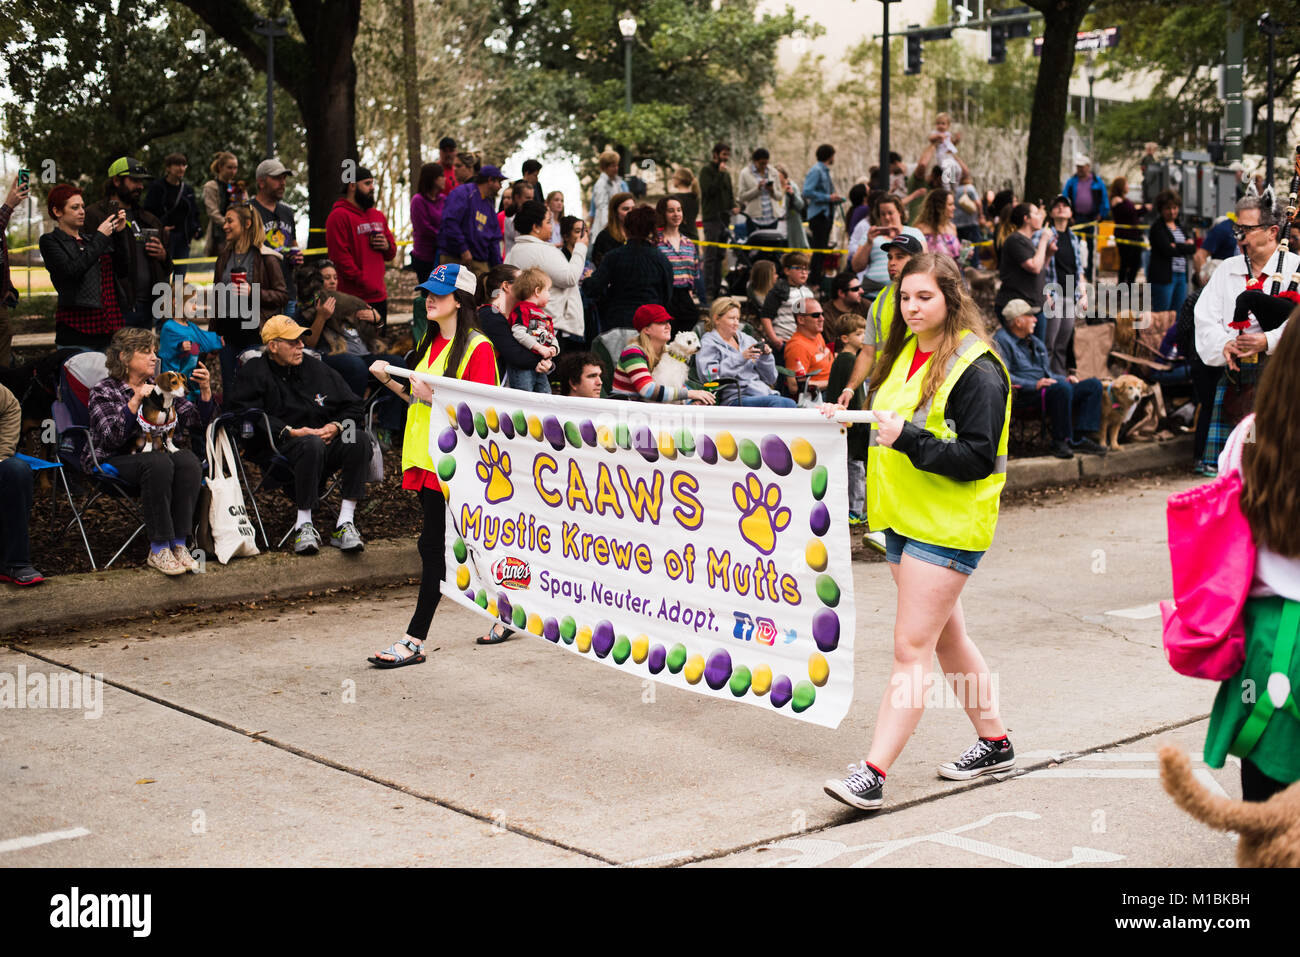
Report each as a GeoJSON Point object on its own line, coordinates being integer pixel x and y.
{"type": "Point", "coordinates": [24, 177]}
{"type": "Point", "coordinates": [115, 206]}
{"type": "Point", "coordinates": [148, 234]}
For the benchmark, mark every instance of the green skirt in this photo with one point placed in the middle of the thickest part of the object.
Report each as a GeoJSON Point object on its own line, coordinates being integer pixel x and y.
{"type": "Point", "coordinates": [1277, 752]}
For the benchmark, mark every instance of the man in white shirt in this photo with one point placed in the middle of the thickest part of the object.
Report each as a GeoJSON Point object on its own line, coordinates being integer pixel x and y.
{"type": "Point", "coordinates": [1256, 234]}
{"type": "Point", "coordinates": [607, 184]}
{"type": "Point", "coordinates": [1217, 343]}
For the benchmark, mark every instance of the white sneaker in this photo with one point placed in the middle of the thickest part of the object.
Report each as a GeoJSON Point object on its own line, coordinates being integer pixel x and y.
{"type": "Point", "coordinates": [166, 562]}
{"type": "Point", "coordinates": [875, 540]}
{"type": "Point", "coordinates": [185, 559]}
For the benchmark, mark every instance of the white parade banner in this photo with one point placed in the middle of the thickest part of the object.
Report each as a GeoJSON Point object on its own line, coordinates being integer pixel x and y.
{"type": "Point", "coordinates": [701, 547]}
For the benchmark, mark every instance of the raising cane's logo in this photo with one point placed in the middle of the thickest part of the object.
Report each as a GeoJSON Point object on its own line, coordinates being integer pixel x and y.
{"type": "Point", "coordinates": [511, 573]}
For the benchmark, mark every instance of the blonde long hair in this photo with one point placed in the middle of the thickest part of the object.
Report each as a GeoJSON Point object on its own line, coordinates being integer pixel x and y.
{"type": "Point", "coordinates": [653, 350]}
{"type": "Point", "coordinates": [963, 314]}
{"type": "Point", "coordinates": [218, 161]}
{"type": "Point", "coordinates": [254, 233]}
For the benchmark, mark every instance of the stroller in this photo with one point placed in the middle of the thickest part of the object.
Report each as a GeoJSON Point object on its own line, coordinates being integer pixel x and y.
{"type": "Point", "coordinates": [771, 234]}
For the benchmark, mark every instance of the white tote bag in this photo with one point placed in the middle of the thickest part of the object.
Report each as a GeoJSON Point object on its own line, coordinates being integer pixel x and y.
{"type": "Point", "coordinates": [232, 533]}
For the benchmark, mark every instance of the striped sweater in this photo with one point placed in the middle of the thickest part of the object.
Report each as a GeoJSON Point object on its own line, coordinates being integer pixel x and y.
{"type": "Point", "coordinates": [632, 376]}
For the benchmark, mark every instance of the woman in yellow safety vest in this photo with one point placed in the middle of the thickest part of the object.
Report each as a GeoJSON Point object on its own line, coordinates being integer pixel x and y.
{"type": "Point", "coordinates": [451, 346]}
{"type": "Point", "coordinates": [935, 470]}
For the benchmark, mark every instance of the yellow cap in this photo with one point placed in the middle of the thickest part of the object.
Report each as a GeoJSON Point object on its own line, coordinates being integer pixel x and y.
{"type": "Point", "coordinates": [281, 327]}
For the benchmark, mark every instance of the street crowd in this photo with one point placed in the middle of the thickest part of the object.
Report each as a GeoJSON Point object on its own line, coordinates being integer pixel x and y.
{"type": "Point", "coordinates": [731, 271]}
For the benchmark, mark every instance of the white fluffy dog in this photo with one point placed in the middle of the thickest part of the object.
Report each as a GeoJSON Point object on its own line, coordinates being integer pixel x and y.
{"type": "Point", "coordinates": [675, 361]}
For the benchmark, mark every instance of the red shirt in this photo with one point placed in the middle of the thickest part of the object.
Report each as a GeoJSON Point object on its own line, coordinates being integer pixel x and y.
{"type": "Point", "coordinates": [347, 237]}
{"type": "Point", "coordinates": [918, 360]}
{"type": "Point", "coordinates": [482, 367]}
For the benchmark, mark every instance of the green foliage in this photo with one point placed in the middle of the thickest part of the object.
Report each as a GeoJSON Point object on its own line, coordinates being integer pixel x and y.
{"type": "Point", "coordinates": [1182, 46]}
{"type": "Point", "coordinates": [102, 78]}
{"type": "Point", "coordinates": [698, 74]}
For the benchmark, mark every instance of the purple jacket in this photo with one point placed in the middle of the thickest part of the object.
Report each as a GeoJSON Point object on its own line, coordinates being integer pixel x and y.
{"type": "Point", "coordinates": [112, 425]}
{"type": "Point", "coordinates": [470, 222]}
{"type": "Point", "coordinates": [426, 218]}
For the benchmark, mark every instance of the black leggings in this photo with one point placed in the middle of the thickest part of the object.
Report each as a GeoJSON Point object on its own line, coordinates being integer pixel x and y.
{"type": "Point", "coordinates": [432, 546]}
{"type": "Point", "coordinates": [1256, 785]}
{"type": "Point", "coordinates": [169, 488]}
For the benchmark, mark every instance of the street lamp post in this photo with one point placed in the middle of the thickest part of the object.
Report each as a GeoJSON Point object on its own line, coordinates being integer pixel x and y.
{"type": "Point", "coordinates": [1271, 29]}
{"type": "Point", "coordinates": [884, 91]}
{"type": "Point", "coordinates": [1090, 73]}
{"type": "Point", "coordinates": [270, 29]}
{"type": "Point", "coordinates": [627, 27]}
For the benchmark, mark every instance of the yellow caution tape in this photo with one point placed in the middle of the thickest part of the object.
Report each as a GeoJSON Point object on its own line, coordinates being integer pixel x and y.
{"type": "Point", "coordinates": [768, 249]}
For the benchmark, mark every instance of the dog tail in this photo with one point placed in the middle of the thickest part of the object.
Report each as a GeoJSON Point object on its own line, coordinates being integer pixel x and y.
{"type": "Point", "coordinates": [1255, 818]}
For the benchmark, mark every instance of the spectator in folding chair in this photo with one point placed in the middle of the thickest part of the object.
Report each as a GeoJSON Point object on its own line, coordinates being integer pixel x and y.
{"type": "Point", "coordinates": [168, 481]}
{"type": "Point", "coordinates": [15, 498]}
{"type": "Point", "coordinates": [1072, 405]}
{"type": "Point", "coordinates": [745, 365]}
{"type": "Point", "coordinates": [317, 424]}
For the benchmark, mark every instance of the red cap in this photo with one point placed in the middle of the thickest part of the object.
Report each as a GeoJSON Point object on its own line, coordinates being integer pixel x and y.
{"type": "Point", "coordinates": [648, 315]}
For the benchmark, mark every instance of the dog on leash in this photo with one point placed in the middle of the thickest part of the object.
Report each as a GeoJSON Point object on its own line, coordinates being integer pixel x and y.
{"type": "Point", "coordinates": [674, 364]}
{"type": "Point", "coordinates": [1120, 397]}
{"type": "Point", "coordinates": [1269, 831]}
{"type": "Point", "coordinates": [157, 415]}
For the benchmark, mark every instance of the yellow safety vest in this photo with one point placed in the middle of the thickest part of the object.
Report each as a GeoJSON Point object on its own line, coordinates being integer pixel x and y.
{"type": "Point", "coordinates": [882, 314]}
{"type": "Point", "coordinates": [415, 444]}
{"type": "Point", "coordinates": [922, 505]}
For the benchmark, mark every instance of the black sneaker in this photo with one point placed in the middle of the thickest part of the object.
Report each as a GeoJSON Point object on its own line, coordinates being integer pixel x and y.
{"type": "Point", "coordinates": [1089, 446]}
{"type": "Point", "coordinates": [861, 789]}
{"type": "Point", "coordinates": [1061, 450]}
{"type": "Point", "coordinates": [981, 758]}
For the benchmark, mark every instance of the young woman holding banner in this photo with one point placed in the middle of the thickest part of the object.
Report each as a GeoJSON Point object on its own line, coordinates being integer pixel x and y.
{"type": "Point", "coordinates": [451, 346]}
{"type": "Point", "coordinates": [934, 489]}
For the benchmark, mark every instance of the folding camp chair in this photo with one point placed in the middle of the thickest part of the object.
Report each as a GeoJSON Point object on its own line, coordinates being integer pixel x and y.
{"type": "Point", "coordinates": [608, 346]}
{"type": "Point", "coordinates": [79, 375]}
{"type": "Point", "coordinates": [276, 469]}
{"type": "Point", "coordinates": [43, 465]}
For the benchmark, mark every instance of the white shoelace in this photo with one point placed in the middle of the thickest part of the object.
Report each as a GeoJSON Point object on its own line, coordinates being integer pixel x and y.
{"type": "Point", "coordinates": [861, 777]}
{"type": "Point", "coordinates": [976, 751]}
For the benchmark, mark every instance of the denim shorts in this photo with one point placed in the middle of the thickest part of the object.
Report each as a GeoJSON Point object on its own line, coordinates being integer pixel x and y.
{"type": "Point", "coordinates": [959, 561]}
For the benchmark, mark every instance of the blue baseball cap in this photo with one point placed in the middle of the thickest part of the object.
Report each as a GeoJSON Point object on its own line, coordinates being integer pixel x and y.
{"type": "Point", "coordinates": [449, 277]}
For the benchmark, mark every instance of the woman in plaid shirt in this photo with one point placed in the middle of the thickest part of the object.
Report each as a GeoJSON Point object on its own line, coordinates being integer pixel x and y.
{"type": "Point", "coordinates": [81, 267]}
{"type": "Point", "coordinates": [682, 256]}
{"type": "Point", "coordinates": [168, 481]}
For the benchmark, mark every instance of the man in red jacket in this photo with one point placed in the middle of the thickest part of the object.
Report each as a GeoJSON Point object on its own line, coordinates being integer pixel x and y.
{"type": "Point", "coordinates": [360, 243]}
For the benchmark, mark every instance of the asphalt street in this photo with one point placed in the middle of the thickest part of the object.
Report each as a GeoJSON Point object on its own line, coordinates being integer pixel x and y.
{"type": "Point", "coordinates": [260, 736]}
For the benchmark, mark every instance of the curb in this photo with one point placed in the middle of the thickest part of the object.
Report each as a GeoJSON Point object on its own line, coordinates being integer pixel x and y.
{"type": "Point", "coordinates": [95, 597]}
{"type": "Point", "coordinates": [1139, 457]}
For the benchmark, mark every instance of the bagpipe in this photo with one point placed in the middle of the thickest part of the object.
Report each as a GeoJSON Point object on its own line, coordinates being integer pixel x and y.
{"type": "Point", "coordinates": [1272, 308]}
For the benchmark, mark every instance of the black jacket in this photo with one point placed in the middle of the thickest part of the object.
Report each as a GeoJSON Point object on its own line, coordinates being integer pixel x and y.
{"type": "Point", "coordinates": [125, 250]}
{"type": "Point", "coordinates": [511, 353]}
{"type": "Point", "coordinates": [74, 269]}
{"type": "Point", "coordinates": [977, 406]}
{"type": "Point", "coordinates": [183, 217]}
{"type": "Point", "coordinates": [630, 276]}
{"type": "Point", "coordinates": [1163, 251]}
{"type": "Point", "coordinates": [310, 395]}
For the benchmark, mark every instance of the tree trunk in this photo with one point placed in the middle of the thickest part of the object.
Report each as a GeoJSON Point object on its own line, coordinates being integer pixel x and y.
{"type": "Point", "coordinates": [331, 133]}
{"type": "Point", "coordinates": [318, 71]}
{"type": "Point", "coordinates": [1061, 21]}
{"type": "Point", "coordinates": [409, 81]}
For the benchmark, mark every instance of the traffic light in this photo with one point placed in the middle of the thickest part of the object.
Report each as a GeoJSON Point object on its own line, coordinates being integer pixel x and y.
{"type": "Point", "coordinates": [997, 43]}
{"type": "Point", "coordinates": [913, 60]}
